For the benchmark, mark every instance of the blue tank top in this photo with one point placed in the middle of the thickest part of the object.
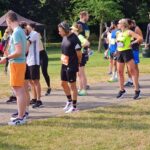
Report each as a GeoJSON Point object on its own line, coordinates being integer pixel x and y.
{"type": "Point", "coordinates": [113, 44]}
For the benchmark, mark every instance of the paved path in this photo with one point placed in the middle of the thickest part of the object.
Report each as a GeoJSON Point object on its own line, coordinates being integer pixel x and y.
{"type": "Point", "coordinates": [100, 94]}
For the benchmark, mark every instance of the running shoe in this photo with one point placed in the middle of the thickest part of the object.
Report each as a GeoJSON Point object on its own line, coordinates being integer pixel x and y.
{"type": "Point", "coordinates": [48, 92]}
{"type": "Point", "coordinates": [128, 84]}
{"type": "Point", "coordinates": [12, 99]}
{"type": "Point", "coordinates": [87, 87]}
{"type": "Point", "coordinates": [113, 80]}
{"type": "Point", "coordinates": [68, 105]}
{"type": "Point", "coordinates": [82, 93]}
{"type": "Point", "coordinates": [121, 94]}
{"type": "Point", "coordinates": [38, 104]}
{"type": "Point", "coordinates": [137, 95]}
{"type": "Point", "coordinates": [90, 52]}
{"type": "Point", "coordinates": [71, 110]}
{"type": "Point", "coordinates": [33, 101]}
{"type": "Point", "coordinates": [17, 121]}
{"type": "Point", "coordinates": [15, 115]}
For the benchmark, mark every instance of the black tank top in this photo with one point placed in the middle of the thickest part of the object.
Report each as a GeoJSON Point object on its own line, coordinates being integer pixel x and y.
{"type": "Point", "coordinates": [136, 45]}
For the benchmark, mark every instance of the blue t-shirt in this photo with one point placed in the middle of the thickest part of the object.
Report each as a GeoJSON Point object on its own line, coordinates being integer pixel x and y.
{"type": "Point", "coordinates": [18, 36]}
{"type": "Point", "coordinates": [113, 44]}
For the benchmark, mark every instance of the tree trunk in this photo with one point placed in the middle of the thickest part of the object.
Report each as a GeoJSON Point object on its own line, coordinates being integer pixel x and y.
{"type": "Point", "coordinates": [100, 35]}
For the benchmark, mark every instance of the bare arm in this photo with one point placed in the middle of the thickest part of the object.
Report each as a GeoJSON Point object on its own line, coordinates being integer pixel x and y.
{"type": "Point", "coordinates": [79, 55]}
{"type": "Point", "coordinates": [138, 38]}
{"type": "Point", "coordinates": [17, 53]}
{"type": "Point", "coordinates": [139, 32]}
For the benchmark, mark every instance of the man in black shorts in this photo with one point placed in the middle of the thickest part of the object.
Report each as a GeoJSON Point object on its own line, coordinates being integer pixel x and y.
{"type": "Point", "coordinates": [70, 58]}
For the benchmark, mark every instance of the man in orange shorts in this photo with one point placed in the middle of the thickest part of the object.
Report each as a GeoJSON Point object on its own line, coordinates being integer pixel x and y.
{"type": "Point", "coordinates": [17, 60]}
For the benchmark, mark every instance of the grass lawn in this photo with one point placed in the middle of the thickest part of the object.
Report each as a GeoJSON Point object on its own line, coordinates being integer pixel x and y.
{"type": "Point", "coordinates": [121, 127]}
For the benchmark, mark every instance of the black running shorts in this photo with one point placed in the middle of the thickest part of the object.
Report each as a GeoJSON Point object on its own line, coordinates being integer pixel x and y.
{"type": "Point", "coordinates": [32, 72]}
{"type": "Point", "coordinates": [124, 56]}
{"type": "Point", "coordinates": [68, 74]}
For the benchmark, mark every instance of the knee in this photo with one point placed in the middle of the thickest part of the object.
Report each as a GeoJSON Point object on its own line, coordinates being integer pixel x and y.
{"type": "Point", "coordinates": [121, 73]}
{"type": "Point", "coordinates": [63, 84]}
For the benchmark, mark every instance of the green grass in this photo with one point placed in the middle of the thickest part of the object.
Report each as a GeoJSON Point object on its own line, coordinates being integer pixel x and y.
{"type": "Point", "coordinates": [122, 127]}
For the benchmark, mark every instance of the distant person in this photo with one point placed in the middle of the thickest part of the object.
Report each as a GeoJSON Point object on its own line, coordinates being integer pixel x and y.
{"type": "Point", "coordinates": [84, 17]}
{"type": "Point", "coordinates": [17, 60]}
{"type": "Point", "coordinates": [70, 58]}
{"type": "Point", "coordinates": [147, 40]}
{"type": "Point", "coordinates": [44, 65]}
{"type": "Point", "coordinates": [77, 29]}
{"type": "Point", "coordinates": [113, 51]}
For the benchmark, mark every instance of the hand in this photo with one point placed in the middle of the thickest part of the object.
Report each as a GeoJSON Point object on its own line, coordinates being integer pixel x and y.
{"type": "Point", "coordinates": [3, 60]}
{"type": "Point", "coordinates": [146, 45]}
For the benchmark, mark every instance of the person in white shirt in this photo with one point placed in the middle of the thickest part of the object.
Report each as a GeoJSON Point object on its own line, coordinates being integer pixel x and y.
{"type": "Point", "coordinates": [33, 65]}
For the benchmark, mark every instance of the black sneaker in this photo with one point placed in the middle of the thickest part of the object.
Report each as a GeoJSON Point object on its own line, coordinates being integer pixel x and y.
{"type": "Point", "coordinates": [38, 104]}
{"type": "Point", "coordinates": [120, 94]}
{"type": "Point", "coordinates": [87, 87]}
{"type": "Point", "coordinates": [12, 99]}
{"type": "Point", "coordinates": [128, 84]}
{"type": "Point", "coordinates": [33, 101]}
{"type": "Point", "coordinates": [137, 94]}
{"type": "Point", "coordinates": [48, 92]}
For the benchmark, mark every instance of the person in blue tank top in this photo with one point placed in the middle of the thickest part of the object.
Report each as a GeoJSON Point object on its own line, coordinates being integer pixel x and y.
{"type": "Point", "coordinates": [112, 50]}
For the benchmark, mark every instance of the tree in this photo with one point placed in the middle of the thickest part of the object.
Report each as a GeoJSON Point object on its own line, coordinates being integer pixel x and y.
{"type": "Point", "coordinates": [100, 11]}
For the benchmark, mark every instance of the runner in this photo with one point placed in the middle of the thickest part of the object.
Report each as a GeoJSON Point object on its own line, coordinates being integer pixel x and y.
{"type": "Point", "coordinates": [71, 58]}
{"type": "Point", "coordinates": [125, 56]}
{"type": "Point", "coordinates": [84, 17]}
{"type": "Point", "coordinates": [44, 65]}
{"type": "Point", "coordinates": [33, 66]}
{"type": "Point", "coordinates": [135, 48]}
{"type": "Point", "coordinates": [113, 51]}
{"type": "Point", "coordinates": [77, 29]}
{"type": "Point", "coordinates": [17, 60]}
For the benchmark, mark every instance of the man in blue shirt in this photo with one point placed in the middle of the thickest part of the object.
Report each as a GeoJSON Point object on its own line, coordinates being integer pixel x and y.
{"type": "Point", "coordinates": [17, 61]}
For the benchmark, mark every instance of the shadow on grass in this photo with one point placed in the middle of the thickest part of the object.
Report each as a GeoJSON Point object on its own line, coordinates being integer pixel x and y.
{"type": "Point", "coordinates": [5, 146]}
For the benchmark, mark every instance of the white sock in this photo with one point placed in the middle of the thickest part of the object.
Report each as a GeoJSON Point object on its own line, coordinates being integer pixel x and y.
{"type": "Point", "coordinates": [116, 75]}
{"type": "Point", "coordinates": [130, 80]}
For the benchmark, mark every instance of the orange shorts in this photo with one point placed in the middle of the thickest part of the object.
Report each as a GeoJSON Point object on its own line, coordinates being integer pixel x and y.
{"type": "Point", "coordinates": [17, 74]}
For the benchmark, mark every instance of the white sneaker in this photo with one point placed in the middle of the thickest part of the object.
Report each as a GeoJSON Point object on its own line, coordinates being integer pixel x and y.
{"type": "Point", "coordinates": [68, 105]}
{"type": "Point", "coordinates": [71, 110]}
{"type": "Point", "coordinates": [26, 116]}
{"type": "Point", "coordinates": [17, 121]}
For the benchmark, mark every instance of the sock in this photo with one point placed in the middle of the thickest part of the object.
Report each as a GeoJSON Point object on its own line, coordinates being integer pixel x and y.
{"type": "Point", "coordinates": [130, 80]}
{"type": "Point", "coordinates": [69, 98]}
{"type": "Point", "coordinates": [113, 75]}
{"type": "Point", "coordinates": [116, 75]}
{"type": "Point", "coordinates": [74, 103]}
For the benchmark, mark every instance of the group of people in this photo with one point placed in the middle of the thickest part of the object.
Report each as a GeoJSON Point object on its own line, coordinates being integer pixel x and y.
{"type": "Point", "coordinates": [124, 38]}
{"type": "Point", "coordinates": [24, 51]}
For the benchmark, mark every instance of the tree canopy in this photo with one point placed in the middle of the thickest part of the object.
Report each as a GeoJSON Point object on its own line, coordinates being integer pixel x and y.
{"type": "Point", "coordinates": [51, 12]}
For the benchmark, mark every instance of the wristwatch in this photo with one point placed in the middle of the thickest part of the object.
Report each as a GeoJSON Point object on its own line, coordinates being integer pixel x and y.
{"type": "Point", "coordinates": [7, 59]}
